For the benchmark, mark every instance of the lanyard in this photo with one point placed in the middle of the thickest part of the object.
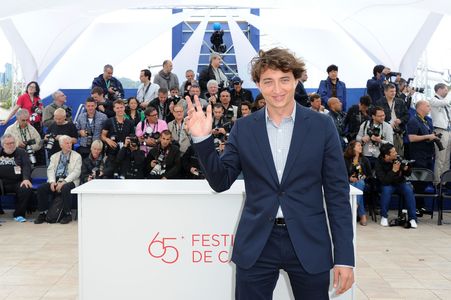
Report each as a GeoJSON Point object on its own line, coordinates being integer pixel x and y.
{"type": "Point", "coordinates": [24, 134]}
{"type": "Point", "coordinates": [66, 165]}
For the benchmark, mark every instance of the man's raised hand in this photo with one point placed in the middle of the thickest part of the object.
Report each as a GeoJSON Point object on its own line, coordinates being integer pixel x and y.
{"type": "Point", "coordinates": [197, 122]}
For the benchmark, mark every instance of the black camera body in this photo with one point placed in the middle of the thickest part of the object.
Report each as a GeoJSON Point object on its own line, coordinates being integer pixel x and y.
{"type": "Point", "coordinates": [404, 162]}
{"type": "Point", "coordinates": [51, 141]}
{"type": "Point", "coordinates": [134, 142]}
{"type": "Point", "coordinates": [438, 142]}
{"type": "Point", "coordinates": [393, 74]}
{"type": "Point", "coordinates": [372, 130]}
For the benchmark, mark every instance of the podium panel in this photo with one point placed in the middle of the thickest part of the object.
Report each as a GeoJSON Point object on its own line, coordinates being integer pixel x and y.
{"type": "Point", "coordinates": [161, 239]}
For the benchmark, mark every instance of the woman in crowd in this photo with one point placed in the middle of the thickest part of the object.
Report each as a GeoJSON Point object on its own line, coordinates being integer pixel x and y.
{"type": "Point", "coordinates": [133, 112]}
{"type": "Point", "coordinates": [31, 102]}
{"type": "Point", "coordinates": [359, 169]}
{"type": "Point", "coordinates": [92, 166]}
{"type": "Point", "coordinates": [259, 102]}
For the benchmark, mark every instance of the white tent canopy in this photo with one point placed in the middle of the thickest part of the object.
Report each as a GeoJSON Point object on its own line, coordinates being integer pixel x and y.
{"type": "Point", "coordinates": [64, 44]}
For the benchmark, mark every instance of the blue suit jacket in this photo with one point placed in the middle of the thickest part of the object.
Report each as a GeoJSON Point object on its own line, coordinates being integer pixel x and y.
{"type": "Point", "coordinates": [314, 161]}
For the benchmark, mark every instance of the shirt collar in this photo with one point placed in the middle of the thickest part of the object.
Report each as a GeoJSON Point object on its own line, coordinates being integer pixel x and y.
{"type": "Point", "coordinates": [292, 117]}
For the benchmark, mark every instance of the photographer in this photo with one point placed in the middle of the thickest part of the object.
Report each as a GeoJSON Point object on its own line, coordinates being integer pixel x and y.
{"type": "Point", "coordinates": [186, 85]}
{"type": "Point", "coordinates": [92, 166]}
{"type": "Point", "coordinates": [149, 130]}
{"type": "Point", "coordinates": [193, 91]}
{"type": "Point", "coordinates": [146, 90]}
{"type": "Point", "coordinates": [238, 94]}
{"type": "Point", "coordinates": [230, 111]}
{"type": "Point", "coordinates": [103, 105]}
{"type": "Point", "coordinates": [58, 128]}
{"type": "Point", "coordinates": [89, 125]}
{"type": "Point", "coordinates": [356, 115]}
{"type": "Point", "coordinates": [220, 126]}
{"type": "Point", "coordinates": [374, 133]}
{"type": "Point", "coordinates": [338, 116]}
{"type": "Point", "coordinates": [59, 100]}
{"type": "Point", "coordinates": [63, 175]}
{"type": "Point", "coordinates": [161, 104]}
{"type": "Point", "coordinates": [26, 136]}
{"type": "Point", "coordinates": [212, 94]}
{"type": "Point", "coordinates": [15, 172]}
{"type": "Point", "coordinates": [131, 160]}
{"type": "Point", "coordinates": [111, 86]}
{"type": "Point", "coordinates": [396, 114]}
{"type": "Point", "coordinates": [391, 171]}
{"type": "Point", "coordinates": [375, 85]}
{"type": "Point", "coordinates": [177, 129]}
{"type": "Point", "coordinates": [114, 132]}
{"type": "Point", "coordinates": [190, 165]}
{"type": "Point", "coordinates": [441, 118]}
{"type": "Point", "coordinates": [213, 71]}
{"type": "Point", "coordinates": [163, 161]}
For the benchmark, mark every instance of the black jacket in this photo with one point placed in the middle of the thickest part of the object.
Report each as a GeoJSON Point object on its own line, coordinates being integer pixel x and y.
{"type": "Point", "coordinates": [165, 113]}
{"type": "Point", "coordinates": [236, 98]}
{"type": "Point", "coordinates": [385, 174]}
{"type": "Point", "coordinates": [131, 163]}
{"type": "Point", "coordinates": [400, 110]}
{"type": "Point", "coordinates": [7, 173]}
{"type": "Point", "coordinates": [364, 162]}
{"type": "Point", "coordinates": [114, 83]}
{"type": "Point", "coordinates": [171, 161]}
{"type": "Point", "coordinates": [88, 165]}
{"type": "Point", "coordinates": [354, 118]}
{"type": "Point", "coordinates": [301, 96]}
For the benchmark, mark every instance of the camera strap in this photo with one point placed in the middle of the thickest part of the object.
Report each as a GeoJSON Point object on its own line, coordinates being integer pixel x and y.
{"type": "Point", "coordinates": [23, 133]}
{"type": "Point", "coordinates": [145, 92]}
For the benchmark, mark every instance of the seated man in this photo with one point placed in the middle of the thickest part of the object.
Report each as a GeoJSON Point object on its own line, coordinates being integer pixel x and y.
{"type": "Point", "coordinates": [338, 116]}
{"type": "Point", "coordinates": [15, 171]}
{"type": "Point", "coordinates": [238, 94]}
{"type": "Point", "coordinates": [63, 175]}
{"type": "Point", "coordinates": [163, 161]}
{"type": "Point", "coordinates": [161, 104]}
{"type": "Point", "coordinates": [131, 159]}
{"type": "Point", "coordinates": [230, 111]}
{"type": "Point", "coordinates": [26, 136]}
{"type": "Point", "coordinates": [59, 100]}
{"type": "Point", "coordinates": [111, 86]}
{"type": "Point", "coordinates": [178, 130]}
{"type": "Point", "coordinates": [93, 165]}
{"type": "Point", "coordinates": [89, 125]}
{"type": "Point", "coordinates": [245, 109]}
{"type": "Point", "coordinates": [212, 94]}
{"type": "Point", "coordinates": [220, 127]}
{"type": "Point", "coordinates": [148, 131]}
{"type": "Point", "coordinates": [392, 175]}
{"type": "Point", "coordinates": [194, 91]}
{"type": "Point", "coordinates": [60, 127]}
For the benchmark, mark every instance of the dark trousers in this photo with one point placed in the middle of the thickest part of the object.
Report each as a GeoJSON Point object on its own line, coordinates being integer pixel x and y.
{"type": "Point", "coordinates": [258, 282]}
{"type": "Point", "coordinates": [22, 198]}
{"type": "Point", "coordinates": [44, 193]}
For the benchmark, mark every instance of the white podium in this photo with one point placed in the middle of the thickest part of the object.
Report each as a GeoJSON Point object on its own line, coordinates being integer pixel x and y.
{"type": "Point", "coordinates": [161, 239]}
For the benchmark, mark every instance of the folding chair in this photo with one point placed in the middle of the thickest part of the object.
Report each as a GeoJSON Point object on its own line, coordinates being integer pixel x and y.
{"type": "Point", "coordinates": [425, 176]}
{"type": "Point", "coordinates": [445, 178]}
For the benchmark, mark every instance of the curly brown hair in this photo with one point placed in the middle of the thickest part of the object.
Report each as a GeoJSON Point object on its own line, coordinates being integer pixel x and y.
{"type": "Point", "coordinates": [276, 59]}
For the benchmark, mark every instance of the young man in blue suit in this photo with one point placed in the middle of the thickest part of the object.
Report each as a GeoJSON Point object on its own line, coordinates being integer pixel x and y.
{"type": "Point", "coordinates": [288, 155]}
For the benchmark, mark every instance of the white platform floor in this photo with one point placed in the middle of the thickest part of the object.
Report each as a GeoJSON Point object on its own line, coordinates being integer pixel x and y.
{"type": "Point", "coordinates": [41, 261]}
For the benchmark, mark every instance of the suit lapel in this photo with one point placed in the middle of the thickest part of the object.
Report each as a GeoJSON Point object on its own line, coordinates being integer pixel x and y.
{"type": "Point", "coordinates": [264, 148]}
{"type": "Point", "coordinates": [298, 139]}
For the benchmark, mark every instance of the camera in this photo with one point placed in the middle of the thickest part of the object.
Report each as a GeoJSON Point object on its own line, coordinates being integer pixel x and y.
{"type": "Point", "coordinates": [438, 142]}
{"type": "Point", "coordinates": [404, 162]}
{"type": "Point", "coordinates": [159, 168]}
{"type": "Point", "coordinates": [372, 130]}
{"type": "Point", "coordinates": [229, 113]}
{"type": "Point", "coordinates": [149, 133]}
{"type": "Point", "coordinates": [50, 141]}
{"type": "Point", "coordinates": [68, 112]}
{"type": "Point", "coordinates": [30, 151]}
{"type": "Point", "coordinates": [134, 142]}
{"type": "Point", "coordinates": [393, 74]}
{"type": "Point", "coordinates": [175, 99]}
{"type": "Point", "coordinates": [89, 137]}
{"type": "Point", "coordinates": [95, 173]}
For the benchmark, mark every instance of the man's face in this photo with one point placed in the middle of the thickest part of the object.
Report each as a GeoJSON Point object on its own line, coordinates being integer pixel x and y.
{"type": "Point", "coordinates": [60, 99]}
{"type": "Point", "coordinates": [391, 156]}
{"type": "Point", "coordinates": [277, 88]}
{"type": "Point", "coordinates": [379, 117]}
{"type": "Point", "coordinates": [107, 74]}
{"type": "Point", "coordinates": [59, 119]}
{"type": "Point", "coordinates": [316, 104]}
{"type": "Point", "coordinates": [225, 98]}
{"type": "Point", "coordinates": [442, 92]}
{"type": "Point", "coordinates": [178, 113]}
{"type": "Point", "coordinates": [165, 140]}
{"type": "Point", "coordinates": [143, 78]}
{"type": "Point", "coordinates": [213, 89]}
{"type": "Point", "coordinates": [424, 109]}
{"type": "Point", "coordinates": [90, 107]}
{"type": "Point", "coordinates": [237, 86]}
{"type": "Point", "coordinates": [194, 90]}
{"type": "Point", "coordinates": [9, 145]}
{"type": "Point", "coordinates": [66, 145]}
{"type": "Point", "coordinates": [98, 98]}
{"type": "Point", "coordinates": [333, 75]}
{"type": "Point", "coordinates": [189, 76]}
{"type": "Point", "coordinates": [215, 62]}
{"type": "Point", "coordinates": [23, 121]}
{"type": "Point", "coordinates": [167, 67]}
{"type": "Point", "coordinates": [152, 118]}
{"type": "Point", "coordinates": [304, 76]}
{"type": "Point", "coordinates": [336, 105]}
{"type": "Point", "coordinates": [162, 97]}
{"type": "Point", "coordinates": [217, 113]}
{"type": "Point", "coordinates": [119, 109]}
{"type": "Point", "coordinates": [245, 111]}
{"type": "Point", "coordinates": [390, 93]}
{"type": "Point", "coordinates": [174, 92]}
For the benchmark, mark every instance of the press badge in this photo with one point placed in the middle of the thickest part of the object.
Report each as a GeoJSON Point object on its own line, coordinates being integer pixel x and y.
{"type": "Point", "coordinates": [17, 170]}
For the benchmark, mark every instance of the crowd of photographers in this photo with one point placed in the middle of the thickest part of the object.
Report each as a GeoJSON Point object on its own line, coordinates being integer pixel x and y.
{"type": "Point", "coordinates": [145, 137]}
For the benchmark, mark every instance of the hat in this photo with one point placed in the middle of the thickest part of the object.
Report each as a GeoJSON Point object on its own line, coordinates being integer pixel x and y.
{"type": "Point", "coordinates": [236, 79]}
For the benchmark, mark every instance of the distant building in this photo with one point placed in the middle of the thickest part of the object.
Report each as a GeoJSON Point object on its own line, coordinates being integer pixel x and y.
{"type": "Point", "coordinates": [8, 75]}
